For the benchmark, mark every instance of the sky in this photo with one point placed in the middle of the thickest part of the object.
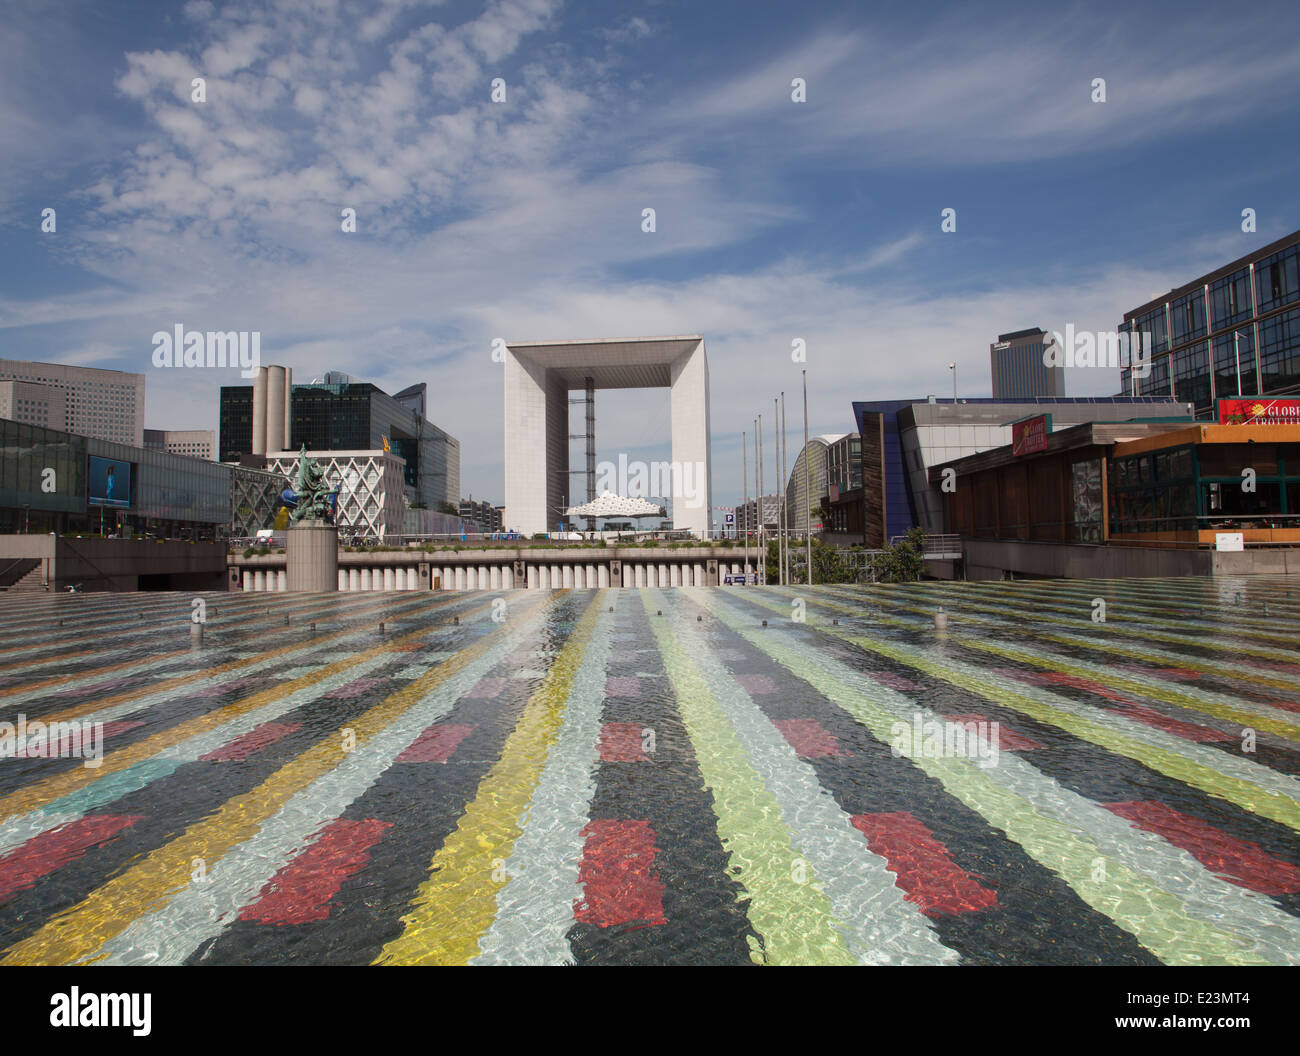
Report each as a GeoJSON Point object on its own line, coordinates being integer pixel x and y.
{"type": "Point", "coordinates": [521, 218]}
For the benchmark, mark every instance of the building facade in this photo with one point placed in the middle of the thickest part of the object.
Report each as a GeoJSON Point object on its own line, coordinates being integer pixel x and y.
{"type": "Point", "coordinates": [87, 401]}
{"type": "Point", "coordinates": [1019, 373]}
{"type": "Point", "coordinates": [902, 439]}
{"type": "Point", "coordinates": [747, 515]}
{"type": "Point", "coordinates": [372, 501]}
{"type": "Point", "coordinates": [344, 417]}
{"type": "Point", "coordinates": [1234, 331]}
{"type": "Point", "coordinates": [807, 491]}
{"type": "Point", "coordinates": [197, 443]}
{"type": "Point", "coordinates": [52, 481]}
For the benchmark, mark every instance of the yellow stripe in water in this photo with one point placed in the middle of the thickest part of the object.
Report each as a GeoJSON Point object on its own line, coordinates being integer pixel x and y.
{"type": "Point", "coordinates": [76, 934]}
{"type": "Point", "coordinates": [456, 905]}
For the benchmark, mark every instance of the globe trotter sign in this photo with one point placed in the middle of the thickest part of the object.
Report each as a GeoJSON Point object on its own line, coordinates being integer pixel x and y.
{"type": "Point", "coordinates": [1030, 435]}
{"type": "Point", "coordinates": [1259, 411]}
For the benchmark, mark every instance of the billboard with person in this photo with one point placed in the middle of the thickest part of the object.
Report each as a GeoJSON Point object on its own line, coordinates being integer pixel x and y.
{"type": "Point", "coordinates": [108, 482]}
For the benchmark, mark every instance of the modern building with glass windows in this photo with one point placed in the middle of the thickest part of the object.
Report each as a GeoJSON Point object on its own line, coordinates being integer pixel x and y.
{"type": "Point", "coordinates": [1019, 372]}
{"type": "Point", "coordinates": [53, 481]}
{"type": "Point", "coordinates": [1234, 331]}
{"type": "Point", "coordinates": [351, 416]}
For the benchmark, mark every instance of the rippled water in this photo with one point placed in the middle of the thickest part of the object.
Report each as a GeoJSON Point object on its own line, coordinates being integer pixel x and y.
{"type": "Point", "coordinates": [653, 776]}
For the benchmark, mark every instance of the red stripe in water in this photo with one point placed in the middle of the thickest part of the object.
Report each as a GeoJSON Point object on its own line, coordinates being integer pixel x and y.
{"type": "Point", "coordinates": [1160, 721]}
{"type": "Point", "coordinates": [1138, 712]}
{"type": "Point", "coordinates": [1238, 861]}
{"type": "Point", "coordinates": [252, 741]}
{"type": "Point", "coordinates": [301, 891]}
{"type": "Point", "coordinates": [1008, 740]}
{"type": "Point", "coordinates": [437, 744]}
{"type": "Point", "coordinates": [620, 742]}
{"type": "Point", "coordinates": [52, 850]}
{"type": "Point", "coordinates": [616, 877]}
{"type": "Point", "coordinates": [808, 738]}
{"type": "Point", "coordinates": [925, 870]}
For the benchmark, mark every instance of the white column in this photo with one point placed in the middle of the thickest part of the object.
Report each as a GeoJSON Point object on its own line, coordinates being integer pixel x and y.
{"type": "Point", "coordinates": [557, 577]}
{"type": "Point", "coordinates": [387, 577]}
{"type": "Point", "coordinates": [591, 577]}
{"type": "Point", "coordinates": [282, 579]}
{"type": "Point", "coordinates": [507, 577]}
{"type": "Point", "coordinates": [412, 579]}
{"type": "Point", "coordinates": [602, 572]}
{"type": "Point", "coordinates": [530, 577]}
{"type": "Point", "coordinates": [677, 574]}
{"type": "Point", "coordinates": [629, 575]}
{"type": "Point", "coordinates": [248, 580]}
{"type": "Point", "coordinates": [639, 572]}
{"type": "Point", "coordinates": [482, 577]}
{"type": "Point", "coordinates": [343, 579]}
{"type": "Point", "coordinates": [699, 573]}
{"type": "Point", "coordinates": [494, 578]}
{"type": "Point", "coordinates": [259, 580]}
{"type": "Point", "coordinates": [448, 578]}
{"type": "Point", "coordinates": [399, 579]}
{"type": "Point", "coordinates": [567, 573]}
{"type": "Point", "coordinates": [354, 579]}
{"type": "Point", "coordinates": [664, 581]}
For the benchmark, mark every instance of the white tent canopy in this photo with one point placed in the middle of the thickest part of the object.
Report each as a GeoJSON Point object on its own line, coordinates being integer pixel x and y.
{"type": "Point", "coordinates": [611, 505]}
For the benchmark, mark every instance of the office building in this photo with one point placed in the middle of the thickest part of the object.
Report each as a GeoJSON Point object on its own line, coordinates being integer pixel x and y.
{"type": "Point", "coordinates": [807, 490]}
{"type": "Point", "coordinates": [902, 439]}
{"type": "Point", "coordinates": [747, 514]}
{"type": "Point", "coordinates": [1234, 331]}
{"type": "Point", "coordinates": [87, 401]}
{"type": "Point", "coordinates": [1117, 499]}
{"type": "Point", "coordinates": [1019, 373]}
{"type": "Point", "coordinates": [480, 516]}
{"type": "Point", "coordinates": [339, 417]}
{"type": "Point", "coordinates": [197, 443]}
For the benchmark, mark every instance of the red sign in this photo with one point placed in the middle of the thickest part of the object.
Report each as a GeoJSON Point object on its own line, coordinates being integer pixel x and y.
{"type": "Point", "coordinates": [1030, 436]}
{"type": "Point", "coordinates": [1258, 411]}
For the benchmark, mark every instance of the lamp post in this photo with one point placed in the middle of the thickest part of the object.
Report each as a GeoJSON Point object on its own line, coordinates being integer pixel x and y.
{"type": "Point", "coordinates": [953, 367]}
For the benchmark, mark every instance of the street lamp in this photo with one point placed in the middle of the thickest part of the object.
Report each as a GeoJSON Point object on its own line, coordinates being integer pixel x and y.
{"type": "Point", "coordinates": [953, 367]}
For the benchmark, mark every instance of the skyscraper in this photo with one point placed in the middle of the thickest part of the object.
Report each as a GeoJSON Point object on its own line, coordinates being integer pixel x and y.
{"type": "Point", "coordinates": [1019, 372]}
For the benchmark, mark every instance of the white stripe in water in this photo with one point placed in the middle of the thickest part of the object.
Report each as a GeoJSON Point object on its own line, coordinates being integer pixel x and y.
{"type": "Point", "coordinates": [878, 923]}
{"type": "Point", "coordinates": [535, 906]}
{"type": "Point", "coordinates": [1254, 920]}
{"type": "Point", "coordinates": [200, 912]}
{"type": "Point", "coordinates": [21, 828]}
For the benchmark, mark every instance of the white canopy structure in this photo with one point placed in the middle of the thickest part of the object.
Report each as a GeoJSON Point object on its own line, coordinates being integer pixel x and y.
{"type": "Point", "coordinates": [611, 505]}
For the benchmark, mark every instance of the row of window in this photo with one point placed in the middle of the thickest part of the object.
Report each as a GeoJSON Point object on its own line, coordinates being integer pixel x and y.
{"type": "Point", "coordinates": [1277, 283]}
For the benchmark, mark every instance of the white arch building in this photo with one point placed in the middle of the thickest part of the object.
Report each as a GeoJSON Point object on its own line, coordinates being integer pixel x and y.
{"type": "Point", "coordinates": [538, 379]}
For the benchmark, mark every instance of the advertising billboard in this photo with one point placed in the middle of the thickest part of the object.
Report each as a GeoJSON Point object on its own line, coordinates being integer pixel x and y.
{"type": "Point", "coordinates": [1259, 411]}
{"type": "Point", "coordinates": [108, 482]}
{"type": "Point", "coordinates": [1030, 435]}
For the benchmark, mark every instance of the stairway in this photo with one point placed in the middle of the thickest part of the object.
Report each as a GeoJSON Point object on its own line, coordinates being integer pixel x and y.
{"type": "Point", "coordinates": [23, 574]}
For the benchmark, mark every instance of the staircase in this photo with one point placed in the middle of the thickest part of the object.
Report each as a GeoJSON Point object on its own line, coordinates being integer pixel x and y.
{"type": "Point", "coordinates": [22, 574]}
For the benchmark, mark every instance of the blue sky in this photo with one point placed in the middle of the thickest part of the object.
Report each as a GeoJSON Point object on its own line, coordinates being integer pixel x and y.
{"type": "Point", "coordinates": [476, 220]}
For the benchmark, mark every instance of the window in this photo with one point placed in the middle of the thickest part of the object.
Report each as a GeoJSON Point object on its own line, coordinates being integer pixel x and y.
{"type": "Point", "coordinates": [1276, 280]}
{"type": "Point", "coordinates": [1279, 351]}
{"type": "Point", "coordinates": [1230, 302]}
{"type": "Point", "coordinates": [1189, 317]}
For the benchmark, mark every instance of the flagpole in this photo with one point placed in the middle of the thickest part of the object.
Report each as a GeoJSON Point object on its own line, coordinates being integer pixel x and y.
{"type": "Point", "coordinates": [744, 477]}
{"type": "Point", "coordinates": [808, 473]}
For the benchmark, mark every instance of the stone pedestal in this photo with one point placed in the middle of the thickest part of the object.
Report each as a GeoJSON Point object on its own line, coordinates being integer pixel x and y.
{"type": "Point", "coordinates": [312, 553]}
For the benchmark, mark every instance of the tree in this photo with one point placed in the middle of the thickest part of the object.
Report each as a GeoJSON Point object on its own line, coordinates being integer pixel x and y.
{"type": "Point", "coordinates": [447, 508]}
{"type": "Point", "coordinates": [903, 561]}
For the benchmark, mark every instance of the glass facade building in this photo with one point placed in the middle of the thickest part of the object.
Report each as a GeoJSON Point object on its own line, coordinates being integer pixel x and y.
{"type": "Point", "coordinates": [44, 487]}
{"type": "Point", "coordinates": [355, 416]}
{"type": "Point", "coordinates": [1235, 331]}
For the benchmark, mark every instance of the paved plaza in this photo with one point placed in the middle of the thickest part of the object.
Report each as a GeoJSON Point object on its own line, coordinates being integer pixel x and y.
{"type": "Point", "coordinates": [1072, 772]}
